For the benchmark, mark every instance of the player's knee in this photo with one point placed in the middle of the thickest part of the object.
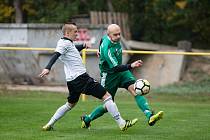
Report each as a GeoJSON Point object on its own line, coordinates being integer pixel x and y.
{"type": "Point", "coordinates": [107, 96]}
{"type": "Point", "coordinates": [108, 103]}
{"type": "Point", "coordinates": [73, 99]}
{"type": "Point", "coordinates": [70, 105]}
{"type": "Point", "coordinates": [132, 90]}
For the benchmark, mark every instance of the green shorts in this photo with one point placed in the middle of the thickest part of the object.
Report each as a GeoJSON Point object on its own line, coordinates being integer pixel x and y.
{"type": "Point", "coordinates": [113, 81]}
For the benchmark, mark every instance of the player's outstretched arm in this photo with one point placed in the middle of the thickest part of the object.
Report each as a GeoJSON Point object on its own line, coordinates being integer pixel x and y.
{"type": "Point", "coordinates": [47, 69]}
{"type": "Point", "coordinates": [137, 63]}
{"type": "Point", "coordinates": [85, 45]}
{"type": "Point", "coordinates": [44, 72]}
{"type": "Point", "coordinates": [121, 68]}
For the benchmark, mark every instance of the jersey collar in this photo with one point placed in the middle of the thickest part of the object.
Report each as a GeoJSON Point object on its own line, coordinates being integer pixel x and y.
{"type": "Point", "coordinates": [111, 40]}
{"type": "Point", "coordinates": [65, 38]}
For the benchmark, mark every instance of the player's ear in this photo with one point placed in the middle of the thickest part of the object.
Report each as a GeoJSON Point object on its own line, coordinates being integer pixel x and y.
{"type": "Point", "coordinates": [67, 33]}
{"type": "Point", "coordinates": [108, 32]}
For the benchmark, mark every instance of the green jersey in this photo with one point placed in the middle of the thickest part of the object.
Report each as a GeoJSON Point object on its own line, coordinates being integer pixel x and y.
{"type": "Point", "coordinates": [110, 55]}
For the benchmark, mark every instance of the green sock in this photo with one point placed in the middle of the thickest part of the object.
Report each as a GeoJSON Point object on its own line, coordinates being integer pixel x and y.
{"type": "Point", "coordinates": [143, 105]}
{"type": "Point", "coordinates": [96, 113]}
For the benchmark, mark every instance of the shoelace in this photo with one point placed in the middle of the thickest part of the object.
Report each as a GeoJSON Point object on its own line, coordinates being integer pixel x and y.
{"type": "Point", "coordinates": [128, 123]}
{"type": "Point", "coordinates": [87, 125]}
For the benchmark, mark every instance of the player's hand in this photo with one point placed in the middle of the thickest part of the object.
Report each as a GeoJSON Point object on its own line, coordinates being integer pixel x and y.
{"type": "Point", "coordinates": [137, 63]}
{"type": "Point", "coordinates": [87, 45]}
{"type": "Point", "coordinates": [44, 72]}
{"type": "Point", "coordinates": [98, 53]}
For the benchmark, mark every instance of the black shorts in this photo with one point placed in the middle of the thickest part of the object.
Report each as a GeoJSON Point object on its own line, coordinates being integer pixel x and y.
{"type": "Point", "coordinates": [86, 85]}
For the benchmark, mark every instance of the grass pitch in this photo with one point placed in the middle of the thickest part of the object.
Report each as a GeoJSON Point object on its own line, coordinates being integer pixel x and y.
{"type": "Point", "coordinates": [23, 113]}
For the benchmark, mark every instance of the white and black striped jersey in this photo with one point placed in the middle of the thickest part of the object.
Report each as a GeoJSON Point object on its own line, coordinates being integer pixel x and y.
{"type": "Point", "coordinates": [70, 56]}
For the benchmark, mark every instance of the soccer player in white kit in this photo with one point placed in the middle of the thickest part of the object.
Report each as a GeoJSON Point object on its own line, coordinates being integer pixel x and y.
{"type": "Point", "coordinates": [78, 81]}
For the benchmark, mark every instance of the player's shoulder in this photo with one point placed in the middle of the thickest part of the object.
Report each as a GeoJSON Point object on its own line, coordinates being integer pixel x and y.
{"type": "Point", "coordinates": [105, 41]}
{"type": "Point", "coordinates": [64, 43]}
{"type": "Point", "coordinates": [105, 38]}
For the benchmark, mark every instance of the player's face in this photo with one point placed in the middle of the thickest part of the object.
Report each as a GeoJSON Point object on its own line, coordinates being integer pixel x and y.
{"type": "Point", "coordinates": [73, 33]}
{"type": "Point", "coordinates": [115, 35]}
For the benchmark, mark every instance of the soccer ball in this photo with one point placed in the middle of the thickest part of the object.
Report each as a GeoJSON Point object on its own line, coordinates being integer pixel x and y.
{"type": "Point", "coordinates": [142, 86]}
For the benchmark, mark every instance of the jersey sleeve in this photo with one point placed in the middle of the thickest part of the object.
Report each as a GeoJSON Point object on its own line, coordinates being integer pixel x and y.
{"type": "Point", "coordinates": [62, 49]}
{"type": "Point", "coordinates": [109, 55]}
{"type": "Point", "coordinates": [52, 60]}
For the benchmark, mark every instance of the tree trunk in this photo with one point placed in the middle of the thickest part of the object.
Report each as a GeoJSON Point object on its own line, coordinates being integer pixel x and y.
{"type": "Point", "coordinates": [18, 11]}
{"type": "Point", "coordinates": [110, 6]}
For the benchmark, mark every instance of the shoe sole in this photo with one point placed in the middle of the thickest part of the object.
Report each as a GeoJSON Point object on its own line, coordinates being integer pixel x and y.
{"type": "Point", "coordinates": [134, 122]}
{"type": "Point", "coordinates": [48, 129]}
{"type": "Point", "coordinates": [159, 116]}
{"type": "Point", "coordinates": [83, 123]}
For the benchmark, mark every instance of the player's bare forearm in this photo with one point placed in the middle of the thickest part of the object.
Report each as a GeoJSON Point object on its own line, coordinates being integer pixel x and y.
{"type": "Point", "coordinates": [44, 72]}
{"type": "Point", "coordinates": [137, 64]}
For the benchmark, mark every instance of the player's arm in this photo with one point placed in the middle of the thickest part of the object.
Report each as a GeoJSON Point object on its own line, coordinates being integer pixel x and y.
{"type": "Point", "coordinates": [47, 69]}
{"type": "Point", "coordinates": [112, 60]}
{"type": "Point", "coordinates": [80, 46]}
{"type": "Point", "coordinates": [98, 51]}
{"type": "Point", "coordinates": [113, 63]}
{"type": "Point", "coordinates": [121, 68]}
{"type": "Point", "coordinates": [53, 60]}
{"type": "Point", "coordinates": [125, 67]}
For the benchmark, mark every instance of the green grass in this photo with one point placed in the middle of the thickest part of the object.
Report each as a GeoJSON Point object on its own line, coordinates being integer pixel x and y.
{"type": "Point", "coordinates": [22, 115]}
{"type": "Point", "coordinates": [200, 87]}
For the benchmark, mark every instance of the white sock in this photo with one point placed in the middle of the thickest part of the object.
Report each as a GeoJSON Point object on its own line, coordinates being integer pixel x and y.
{"type": "Point", "coordinates": [113, 110]}
{"type": "Point", "coordinates": [59, 113]}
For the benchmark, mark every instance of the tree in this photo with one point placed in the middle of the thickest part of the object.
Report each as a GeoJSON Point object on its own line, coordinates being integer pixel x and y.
{"type": "Point", "coordinates": [110, 6]}
{"type": "Point", "coordinates": [158, 21]}
{"type": "Point", "coordinates": [170, 21]}
{"type": "Point", "coordinates": [18, 11]}
{"type": "Point", "coordinates": [6, 11]}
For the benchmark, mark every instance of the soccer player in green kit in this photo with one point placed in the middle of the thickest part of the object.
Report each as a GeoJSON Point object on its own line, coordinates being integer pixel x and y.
{"type": "Point", "coordinates": [115, 75]}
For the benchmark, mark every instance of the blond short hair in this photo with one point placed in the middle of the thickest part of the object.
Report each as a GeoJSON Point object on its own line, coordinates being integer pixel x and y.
{"type": "Point", "coordinates": [67, 27]}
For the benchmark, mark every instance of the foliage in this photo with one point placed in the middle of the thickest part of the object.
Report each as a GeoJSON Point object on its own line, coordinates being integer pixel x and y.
{"type": "Point", "coordinates": [158, 21]}
{"type": "Point", "coordinates": [6, 11]}
{"type": "Point", "coordinates": [170, 21]}
{"type": "Point", "coordinates": [51, 11]}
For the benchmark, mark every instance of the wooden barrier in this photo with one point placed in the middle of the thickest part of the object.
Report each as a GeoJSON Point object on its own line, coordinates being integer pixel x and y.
{"type": "Point", "coordinates": [121, 19]}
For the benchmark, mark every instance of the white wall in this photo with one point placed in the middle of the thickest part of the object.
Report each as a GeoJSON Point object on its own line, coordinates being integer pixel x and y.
{"type": "Point", "coordinates": [13, 34]}
{"type": "Point", "coordinates": [158, 69]}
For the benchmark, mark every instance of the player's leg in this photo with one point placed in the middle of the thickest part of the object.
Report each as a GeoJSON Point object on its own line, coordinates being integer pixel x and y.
{"type": "Point", "coordinates": [96, 113]}
{"type": "Point", "coordinates": [113, 110]}
{"type": "Point", "coordinates": [107, 81]}
{"type": "Point", "coordinates": [141, 102]}
{"type": "Point", "coordinates": [61, 111]}
{"type": "Point", "coordinates": [128, 81]}
{"type": "Point", "coordinates": [144, 106]}
{"type": "Point", "coordinates": [99, 92]}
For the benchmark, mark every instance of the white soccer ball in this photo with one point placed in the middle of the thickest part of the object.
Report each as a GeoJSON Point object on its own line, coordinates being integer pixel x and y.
{"type": "Point", "coordinates": [142, 86]}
